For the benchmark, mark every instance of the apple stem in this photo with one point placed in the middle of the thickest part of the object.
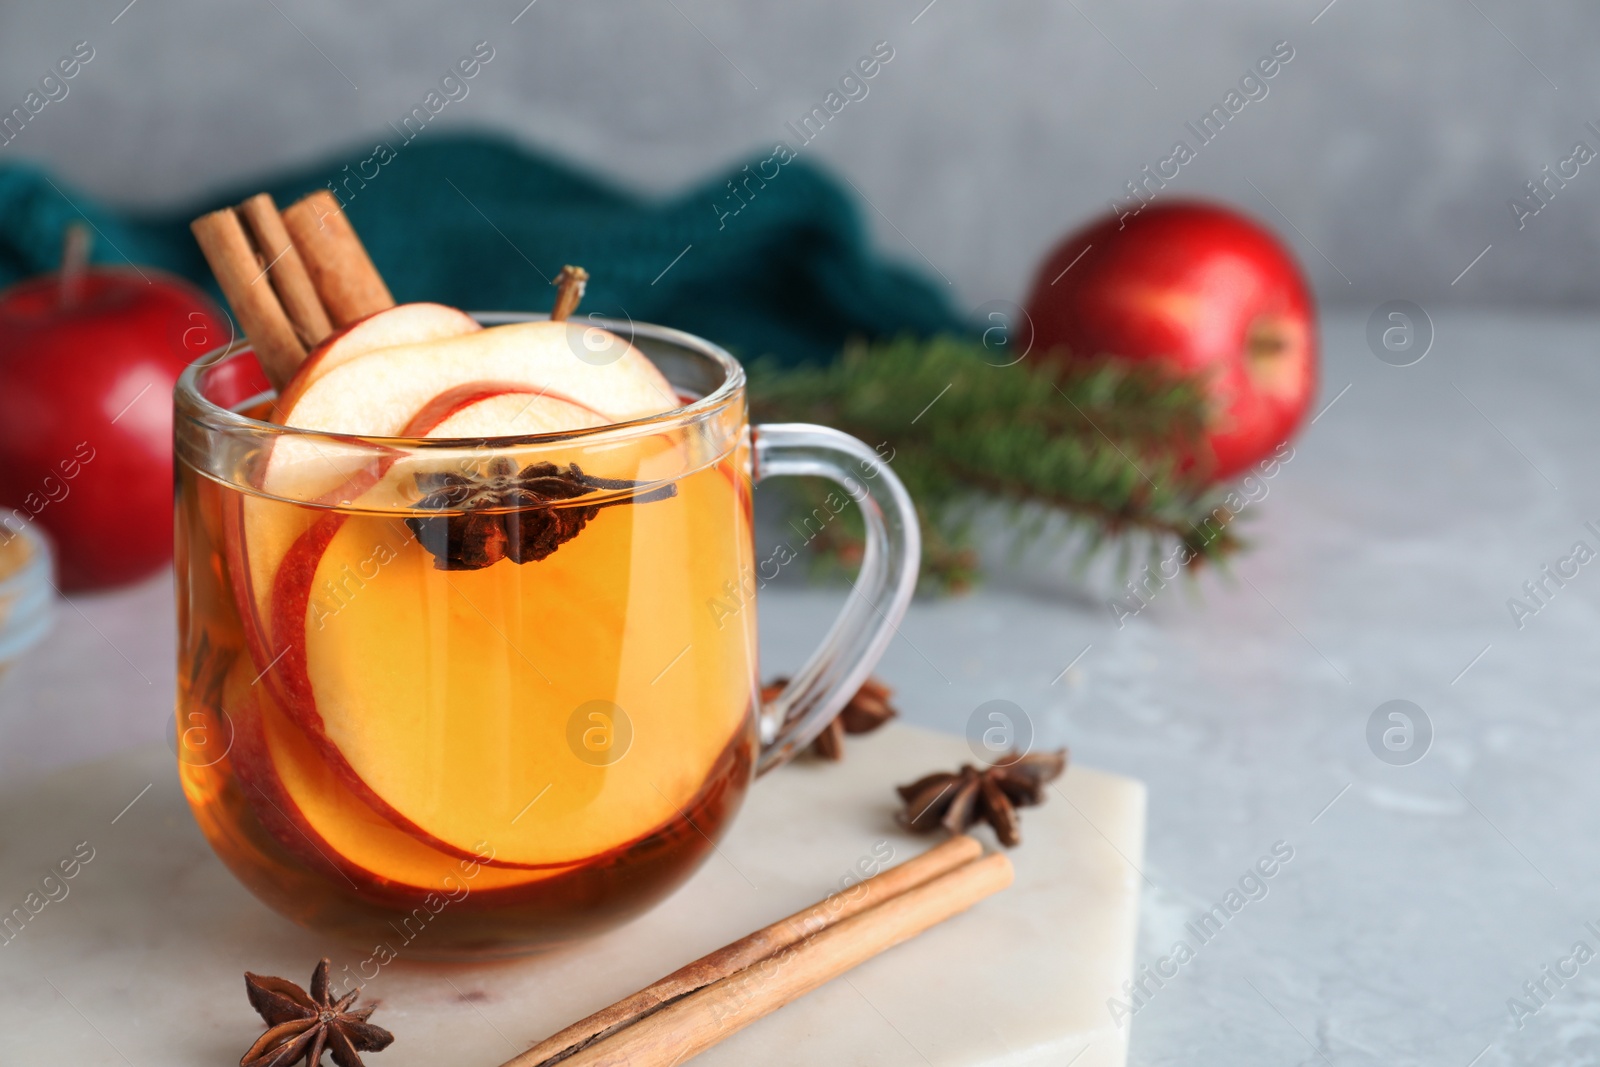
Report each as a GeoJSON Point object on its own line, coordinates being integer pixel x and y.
{"type": "Point", "coordinates": [569, 290]}
{"type": "Point", "coordinates": [74, 262]}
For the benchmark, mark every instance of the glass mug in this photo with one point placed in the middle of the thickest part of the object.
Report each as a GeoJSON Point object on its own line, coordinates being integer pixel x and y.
{"type": "Point", "coordinates": [410, 703]}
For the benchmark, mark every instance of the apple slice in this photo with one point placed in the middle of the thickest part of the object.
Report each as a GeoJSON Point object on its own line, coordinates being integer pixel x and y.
{"type": "Point", "coordinates": [273, 544]}
{"type": "Point", "coordinates": [379, 393]}
{"type": "Point", "coordinates": [305, 806]}
{"type": "Point", "coordinates": [402, 324]}
{"type": "Point", "coordinates": [260, 532]}
{"type": "Point", "coordinates": [339, 663]}
{"type": "Point", "coordinates": [498, 409]}
{"type": "Point", "coordinates": [448, 699]}
{"type": "Point", "coordinates": [376, 393]}
{"type": "Point", "coordinates": [296, 585]}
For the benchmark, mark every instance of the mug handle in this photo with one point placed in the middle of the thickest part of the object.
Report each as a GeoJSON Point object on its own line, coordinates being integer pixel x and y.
{"type": "Point", "coordinates": [879, 594]}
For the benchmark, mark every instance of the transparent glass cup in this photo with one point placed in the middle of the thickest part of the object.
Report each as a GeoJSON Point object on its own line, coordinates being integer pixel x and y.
{"type": "Point", "coordinates": [468, 698]}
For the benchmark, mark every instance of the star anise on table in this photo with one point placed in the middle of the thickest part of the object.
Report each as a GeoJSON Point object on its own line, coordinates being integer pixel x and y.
{"type": "Point", "coordinates": [302, 1025]}
{"type": "Point", "coordinates": [959, 799]}
{"type": "Point", "coordinates": [866, 711]}
{"type": "Point", "coordinates": [506, 513]}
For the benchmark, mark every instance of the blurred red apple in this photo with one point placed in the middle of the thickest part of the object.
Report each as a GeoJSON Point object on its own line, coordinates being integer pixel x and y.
{"type": "Point", "coordinates": [88, 358]}
{"type": "Point", "coordinates": [1200, 288]}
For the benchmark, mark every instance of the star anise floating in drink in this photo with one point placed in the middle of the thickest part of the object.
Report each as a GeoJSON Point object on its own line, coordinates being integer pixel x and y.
{"type": "Point", "coordinates": [866, 711]}
{"type": "Point", "coordinates": [302, 1025]}
{"type": "Point", "coordinates": [959, 799]}
{"type": "Point", "coordinates": [506, 513]}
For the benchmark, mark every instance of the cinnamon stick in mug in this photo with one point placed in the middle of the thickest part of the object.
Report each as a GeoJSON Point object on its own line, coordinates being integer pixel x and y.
{"type": "Point", "coordinates": [242, 275]}
{"type": "Point", "coordinates": [349, 285]}
{"type": "Point", "coordinates": [286, 270]}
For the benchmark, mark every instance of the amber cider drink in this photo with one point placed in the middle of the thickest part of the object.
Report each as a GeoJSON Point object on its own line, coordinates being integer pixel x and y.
{"type": "Point", "coordinates": [449, 761]}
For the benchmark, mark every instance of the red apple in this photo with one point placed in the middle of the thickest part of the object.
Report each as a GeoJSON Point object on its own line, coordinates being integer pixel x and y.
{"type": "Point", "coordinates": [1204, 290]}
{"type": "Point", "coordinates": [88, 359]}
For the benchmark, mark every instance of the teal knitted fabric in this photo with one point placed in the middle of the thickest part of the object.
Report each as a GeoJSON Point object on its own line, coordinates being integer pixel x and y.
{"type": "Point", "coordinates": [779, 267]}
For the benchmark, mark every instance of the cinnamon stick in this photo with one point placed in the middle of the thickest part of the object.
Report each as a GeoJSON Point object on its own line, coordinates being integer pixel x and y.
{"type": "Point", "coordinates": [693, 1024]}
{"type": "Point", "coordinates": [286, 269]}
{"type": "Point", "coordinates": [345, 279]}
{"type": "Point", "coordinates": [243, 278]}
{"type": "Point", "coordinates": [752, 949]}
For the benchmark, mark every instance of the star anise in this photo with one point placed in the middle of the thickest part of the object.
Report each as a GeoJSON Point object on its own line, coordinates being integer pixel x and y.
{"type": "Point", "coordinates": [866, 711]}
{"type": "Point", "coordinates": [505, 513]}
{"type": "Point", "coordinates": [302, 1025]}
{"type": "Point", "coordinates": [958, 800]}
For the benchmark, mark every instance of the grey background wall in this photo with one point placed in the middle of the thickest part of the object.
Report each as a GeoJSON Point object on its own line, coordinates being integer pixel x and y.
{"type": "Point", "coordinates": [1386, 150]}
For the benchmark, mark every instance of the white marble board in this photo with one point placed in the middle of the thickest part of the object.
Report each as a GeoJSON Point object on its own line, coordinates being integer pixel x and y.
{"type": "Point", "coordinates": [140, 962]}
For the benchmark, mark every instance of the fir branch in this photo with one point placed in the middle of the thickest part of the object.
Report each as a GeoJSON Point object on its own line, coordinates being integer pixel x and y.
{"type": "Point", "coordinates": [1099, 442]}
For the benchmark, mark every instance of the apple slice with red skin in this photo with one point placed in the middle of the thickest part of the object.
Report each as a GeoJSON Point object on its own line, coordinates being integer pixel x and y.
{"type": "Point", "coordinates": [306, 569]}
{"type": "Point", "coordinates": [291, 615]}
{"type": "Point", "coordinates": [291, 602]}
{"type": "Point", "coordinates": [499, 409]}
{"type": "Point", "coordinates": [306, 808]}
{"type": "Point", "coordinates": [473, 383]}
{"type": "Point", "coordinates": [360, 689]}
{"type": "Point", "coordinates": [474, 409]}
{"type": "Point", "coordinates": [291, 690]}
{"type": "Point", "coordinates": [457, 735]}
{"type": "Point", "coordinates": [259, 538]}
{"type": "Point", "coordinates": [384, 393]}
{"type": "Point", "coordinates": [402, 324]}
{"type": "Point", "coordinates": [377, 393]}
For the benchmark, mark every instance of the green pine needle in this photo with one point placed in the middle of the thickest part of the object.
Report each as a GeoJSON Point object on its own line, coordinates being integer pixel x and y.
{"type": "Point", "coordinates": [1087, 452]}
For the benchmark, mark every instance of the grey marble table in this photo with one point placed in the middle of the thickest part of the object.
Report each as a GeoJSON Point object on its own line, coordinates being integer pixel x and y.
{"type": "Point", "coordinates": [1428, 878]}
